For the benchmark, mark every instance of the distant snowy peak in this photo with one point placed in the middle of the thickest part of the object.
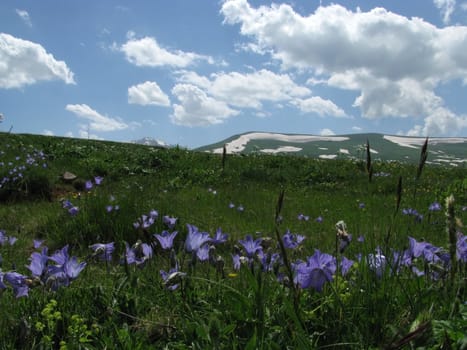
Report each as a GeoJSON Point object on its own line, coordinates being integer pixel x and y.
{"type": "Point", "coordinates": [149, 141]}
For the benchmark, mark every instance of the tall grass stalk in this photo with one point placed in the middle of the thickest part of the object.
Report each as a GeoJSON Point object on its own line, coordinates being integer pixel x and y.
{"type": "Point", "coordinates": [451, 231]}
{"type": "Point", "coordinates": [369, 166]}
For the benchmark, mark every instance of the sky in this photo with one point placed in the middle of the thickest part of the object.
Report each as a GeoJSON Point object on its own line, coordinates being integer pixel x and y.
{"type": "Point", "coordinates": [196, 72]}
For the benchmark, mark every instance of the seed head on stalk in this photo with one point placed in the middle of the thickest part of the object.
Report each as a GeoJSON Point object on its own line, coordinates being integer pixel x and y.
{"type": "Point", "coordinates": [423, 157]}
{"type": "Point", "coordinates": [369, 167]}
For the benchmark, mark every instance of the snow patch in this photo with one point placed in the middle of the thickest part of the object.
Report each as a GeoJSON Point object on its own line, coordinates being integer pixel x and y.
{"type": "Point", "coordinates": [419, 141]}
{"type": "Point", "coordinates": [282, 149]}
{"type": "Point", "coordinates": [240, 143]}
{"type": "Point", "coordinates": [328, 156]}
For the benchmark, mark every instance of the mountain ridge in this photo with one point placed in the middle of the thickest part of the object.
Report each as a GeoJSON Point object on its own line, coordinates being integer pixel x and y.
{"type": "Point", "coordinates": [442, 150]}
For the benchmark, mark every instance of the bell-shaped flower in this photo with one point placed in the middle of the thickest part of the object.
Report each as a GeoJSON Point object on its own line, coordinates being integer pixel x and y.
{"type": "Point", "coordinates": [219, 237]}
{"type": "Point", "coordinates": [292, 241]}
{"type": "Point", "coordinates": [18, 282]}
{"type": "Point", "coordinates": [103, 250]}
{"type": "Point", "coordinates": [169, 221]}
{"type": "Point", "coordinates": [38, 262]}
{"type": "Point", "coordinates": [166, 239]}
{"type": "Point", "coordinates": [252, 247]}
{"type": "Point", "coordinates": [195, 239]}
{"type": "Point", "coordinates": [314, 273]}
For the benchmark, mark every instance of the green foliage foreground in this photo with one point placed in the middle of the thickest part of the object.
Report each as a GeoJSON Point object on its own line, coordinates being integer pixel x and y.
{"type": "Point", "coordinates": [211, 302]}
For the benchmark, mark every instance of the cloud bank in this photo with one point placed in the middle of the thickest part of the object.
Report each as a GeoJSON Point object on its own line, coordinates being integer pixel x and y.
{"type": "Point", "coordinates": [394, 63]}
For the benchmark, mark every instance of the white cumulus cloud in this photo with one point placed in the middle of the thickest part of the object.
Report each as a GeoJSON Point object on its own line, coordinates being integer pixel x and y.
{"type": "Point", "coordinates": [147, 52]}
{"type": "Point", "coordinates": [247, 90]}
{"type": "Point", "coordinates": [96, 121]}
{"type": "Point", "coordinates": [326, 132]}
{"type": "Point", "coordinates": [319, 106]}
{"type": "Point", "coordinates": [147, 93]}
{"type": "Point", "coordinates": [24, 62]}
{"type": "Point", "coordinates": [196, 108]}
{"type": "Point", "coordinates": [395, 63]}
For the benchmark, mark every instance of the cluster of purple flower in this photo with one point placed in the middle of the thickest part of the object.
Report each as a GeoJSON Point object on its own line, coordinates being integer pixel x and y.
{"type": "Point", "coordinates": [303, 217]}
{"type": "Point", "coordinates": [4, 239]}
{"type": "Point", "coordinates": [434, 260]}
{"type": "Point", "coordinates": [13, 171]}
{"type": "Point", "coordinates": [146, 221]}
{"type": "Point", "coordinates": [413, 212]}
{"type": "Point", "coordinates": [73, 209]}
{"type": "Point", "coordinates": [61, 272]}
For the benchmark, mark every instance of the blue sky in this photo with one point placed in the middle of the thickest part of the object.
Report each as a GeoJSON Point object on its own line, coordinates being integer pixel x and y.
{"type": "Point", "coordinates": [196, 72]}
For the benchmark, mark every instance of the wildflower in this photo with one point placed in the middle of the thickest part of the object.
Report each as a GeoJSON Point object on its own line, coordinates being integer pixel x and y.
{"type": "Point", "coordinates": [7, 239]}
{"type": "Point", "coordinates": [72, 268]}
{"type": "Point", "coordinates": [166, 239]}
{"type": "Point", "coordinates": [268, 260]}
{"type": "Point", "coordinates": [435, 206]}
{"type": "Point", "coordinates": [236, 261]}
{"type": "Point", "coordinates": [345, 265]}
{"type": "Point", "coordinates": [361, 205]}
{"type": "Point", "coordinates": [172, 278]}
{"type": "Point", "coordinates": [138, 254]}
{"type": "Point", "coordinates": [169, 221]}
{"type": "Point", "coordinates": [461, 247]}
{"type": "Point", "coordinates": [103, 250]}
{"type": "Point", "coordinates": [98, 180]}
{"type": "Point", "coordinates": [251, 247]}
{"type": "Point", "coordinates": [88, 185]}
{"type": "Point", "coordinates": [361, 239]}
{"type": "Point", "coordinates": [195, 239]}
{"type": "Point", "coordinates": [319, 219]}
{"type": "Point", "coordinates": [292, 241]}
{"type": "Point", "coordinates": [413, 212]}
{"type": "Point", "coordinates": [203, 252]}
{"type": "Point", "coordinates": [231, 205]}
{"type": "Point", "coordinates": [146, 221]}
{"type": "Point", "coordinates": [240, 208]}
{"type": "Point", "coordinates": [302, 217]}
{"type": "Point", "coordinates": [38, 262]}
{"type": "Point", "coordinates": [314, 273]}
{"type": "Point", "coordinates": [219, 237]}
{"type": "Point", "coordinates": [73, 211]}
{"type": "Point", "coordinates": [18, 282]}
{"type": "Point", "coordinates": [37, 243]}
{"type": "Point", "coordinates": [377, 262]}
{"type": "Point", "coordinates": [424, 249]}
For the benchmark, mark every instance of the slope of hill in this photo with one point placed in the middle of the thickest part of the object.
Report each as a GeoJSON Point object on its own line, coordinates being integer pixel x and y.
{"type": "Point", "coordinates": [447, 151]}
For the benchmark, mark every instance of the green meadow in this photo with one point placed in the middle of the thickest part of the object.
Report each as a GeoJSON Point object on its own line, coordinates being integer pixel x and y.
{"type": "Point", "coordinates": [260, 260]}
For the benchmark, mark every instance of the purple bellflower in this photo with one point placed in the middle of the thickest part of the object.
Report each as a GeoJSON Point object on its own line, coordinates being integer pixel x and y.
{"type": "Point", "coordinates": [435, 206]}
{"type": "Point", "coordinates": [18, 282]}
{"type": "Point", "coordinates": [461, 247]}
{"type": "Point", "coordinates": [103, 250]}
{"type": "Point", "coordinates": [138, 254]}
{"type": "Point", "coordinates": [219, 237]}
{"type": "Point", "coordinates": [252, 247]}
{"type": "Point", "coordinates": [292, 241]}
{"type": "Point", "coordinates": [195, 239]}
{"type": "Point", "coordinates": [169, 221]}
{"type": "Point", "coordinates": [314, 273]}
{"type": "Point", "coordinates": [166, 239]}
{"type": "Point", "coordinates": [38, 263]}
{"type": "Point", "coordinates": [172, 278]}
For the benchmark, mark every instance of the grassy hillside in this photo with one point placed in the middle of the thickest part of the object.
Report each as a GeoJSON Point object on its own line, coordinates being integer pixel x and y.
{"type": "Point", "coordinates": [284, 276]}
{"type": "Point", "coordinates": [352, 146]}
